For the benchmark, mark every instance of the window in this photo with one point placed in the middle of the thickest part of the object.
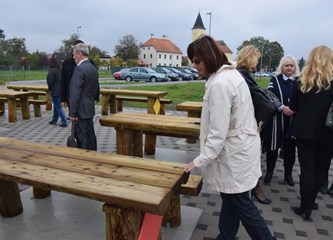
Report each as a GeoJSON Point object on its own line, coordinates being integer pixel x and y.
{"type": "Point", "coordinates": [170, 56]}
{"type": "Point", "coordinates": [177, 57]}
{"type": "Point", "coordinates": [148, 48]}
{"type": "Point", "coordinates": [164, 56]}
{"type": "Point", "coordinates": [151, 56]}
{"type": "Point", "coordinates": [144, 56]}
{"type": "Point", "coordinates": [159, 56]}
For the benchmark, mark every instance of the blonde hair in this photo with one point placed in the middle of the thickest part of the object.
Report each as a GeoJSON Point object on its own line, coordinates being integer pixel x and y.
{"type": "Point", "coordinates": [318, 70]}
{"type": "Point", "coordinates": [283, 61]}
{"type": "Point", "coordinates": [248, 57]}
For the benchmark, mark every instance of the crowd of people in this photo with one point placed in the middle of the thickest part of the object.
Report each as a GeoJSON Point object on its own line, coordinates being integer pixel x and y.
{"type": "Point", "coordinates": [231, 139]}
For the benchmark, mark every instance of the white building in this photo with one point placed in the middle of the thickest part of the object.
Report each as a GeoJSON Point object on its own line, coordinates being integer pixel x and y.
{"type": "Point", "coordinates": [160, 52]}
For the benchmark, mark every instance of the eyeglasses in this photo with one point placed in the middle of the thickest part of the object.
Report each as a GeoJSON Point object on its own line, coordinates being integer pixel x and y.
{"type": "Point", "coordinates": [289, 65]}
{"type": "Point", "coordinates": [196, 61]}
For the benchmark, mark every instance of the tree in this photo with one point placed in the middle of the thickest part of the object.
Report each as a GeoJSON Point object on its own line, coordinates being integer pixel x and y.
{"type": "Point", "coordinates": [66, 48]}
{"type": "Point", "coordinates": [127, 48]}
{"type": "Point", "coordinates": [271, 52]}
{"type": "Point", "coordinates": [301, 63]}
{"type": "Point", "coordinates": [116, 61]}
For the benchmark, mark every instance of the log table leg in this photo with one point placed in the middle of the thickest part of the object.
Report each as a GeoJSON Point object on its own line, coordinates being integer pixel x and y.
{"type": "Point", "coordinates": [25, 107]}
{"type": "Point", "coordinates": [105, 104]}
{"type": "Point", "coordinates": [173, 215]}
{"type": "Point", "coordinates": [48, 101]}
{"type": "Point", "coordinates": [113, 104]}
{"type": "Point", "coordinates": [129, 142]}
{"type": "Point", "coordinates": [10, 199]}
{"type": "Point", "coordinates": [122, 223]}
{"type": "Point", "coordinates": [40, 193]}
{"type": "Point", "coordinates": [12, 117]}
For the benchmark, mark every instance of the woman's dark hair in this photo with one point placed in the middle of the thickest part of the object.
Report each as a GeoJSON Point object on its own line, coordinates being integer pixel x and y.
{"type": "Point", "coordinates": [206, 49]}
{"type": "Point", "coordinates": [54, 62]}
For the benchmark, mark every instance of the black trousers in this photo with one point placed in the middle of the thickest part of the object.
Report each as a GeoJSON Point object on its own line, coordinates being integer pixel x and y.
{"type": "Point", "coordinates": [85, 134]}
{"type": "Point", "coordinates": [314, 158]}
{"type": "Point", "coordinates": [288, 159]}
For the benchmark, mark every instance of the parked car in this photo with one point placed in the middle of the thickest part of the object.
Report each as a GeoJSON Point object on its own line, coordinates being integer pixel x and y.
{"type": "Point", "coordinates": [120, 75]}
{"type": "Point", "coordinates": [194, 74]}
{"type": "Point", "coordinates": [173, 76]}
{"type": "Point", "coordinates": [144, 74]}
{"type": "Point", "coordinates": [182, 75]}
{"type": "Point", "coordinates": [261, 74]}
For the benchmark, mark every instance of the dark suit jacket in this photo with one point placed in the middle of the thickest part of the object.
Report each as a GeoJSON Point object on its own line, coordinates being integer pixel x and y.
{"type": "Point", "coordinates": [68, 67]}
{"type": "Point", "coordinates": [84, 86]}
{"type": "Point", "coordinates": [311, 111]}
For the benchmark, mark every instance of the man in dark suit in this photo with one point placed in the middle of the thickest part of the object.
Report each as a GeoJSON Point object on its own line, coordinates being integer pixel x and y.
{"type": "Point", "coordinates": [68, 67]}
{"type": "Point", "coordinates": [83, 88]}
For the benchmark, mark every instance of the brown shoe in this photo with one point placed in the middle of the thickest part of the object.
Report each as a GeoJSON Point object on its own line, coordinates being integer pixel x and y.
{"type": "Point", "coordinates": [259, 195]}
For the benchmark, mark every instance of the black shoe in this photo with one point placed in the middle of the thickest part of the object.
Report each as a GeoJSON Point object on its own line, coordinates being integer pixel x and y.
{"type": "Point", "coordinates": [289, 180]}
{"type": "Point", "coordinates": [281, 154]}
{"type": "Point", "coordinates": [259, 195]}
{"type": "Point", "coordinates": [63, 125]}
{"type": "Point", "coordinates": [330, 191]}
{"type": "Point", "coordinates": [324, 187]}
{"type": "Point", "coordinates": [52, 123]}
{"type": "Point", "coordinates": [315, 206]}
{"type": "Point", "coordinates": [268, 177]}
{"type": "Point", "coordinates": [301, 212]}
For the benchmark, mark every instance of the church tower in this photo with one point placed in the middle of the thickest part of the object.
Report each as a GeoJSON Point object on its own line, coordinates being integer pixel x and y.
{"type": "Point", "coordinates": [198, 29]}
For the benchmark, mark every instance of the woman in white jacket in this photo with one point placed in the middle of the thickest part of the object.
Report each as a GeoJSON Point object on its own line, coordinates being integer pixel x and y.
{"type": "Point", "coordinates": [229, 141]}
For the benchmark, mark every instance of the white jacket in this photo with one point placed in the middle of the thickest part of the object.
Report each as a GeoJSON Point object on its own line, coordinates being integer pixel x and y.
{"type": "Point", "coordinates": [229, 137]}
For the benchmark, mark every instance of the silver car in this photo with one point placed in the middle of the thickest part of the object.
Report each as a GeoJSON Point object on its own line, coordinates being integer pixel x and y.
{"type": "Point", "coordinates": [144, 74]}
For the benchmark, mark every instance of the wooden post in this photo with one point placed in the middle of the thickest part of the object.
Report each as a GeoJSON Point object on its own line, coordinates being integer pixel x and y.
{"type": "Point", "coordinates": [113, 103]}
{"type": "Point", "coordinates": [40, 193]}
{"type": "Point", "coordinates": [48, 101]}
{"type": "Point", "coordinates": [10, 199]}
{"type": "Point", "coordinates": [12, 117]}
{"type": "Point", "coordinates": [105, 104]}
{"type": "Point", "coordinates": [173, 216]}
{"type": "Point", "coordinates": [25, 107]}
{"type": "Point", "coordinates": [129, 142]}
{"type": "Point", "coordinates": [121, 223]}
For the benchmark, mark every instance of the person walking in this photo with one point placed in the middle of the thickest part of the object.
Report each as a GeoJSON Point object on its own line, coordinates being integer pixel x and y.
{"type": "Point", "coordinates": [84, 86]}
{"type": "Point", "coordinates": [247, 60]}
{"type": "Point", "coordinates": [53, 83]}
{"type": "Point", "coordinates": [278, 129]}
{"type": "Point", "coordinates": [229, 141]}
{"type": "Point", "coordinates": [310, 100]}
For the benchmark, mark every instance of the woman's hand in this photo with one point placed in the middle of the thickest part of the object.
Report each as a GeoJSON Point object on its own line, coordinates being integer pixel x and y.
{"type": "Point", "coordinates": [189, 167]}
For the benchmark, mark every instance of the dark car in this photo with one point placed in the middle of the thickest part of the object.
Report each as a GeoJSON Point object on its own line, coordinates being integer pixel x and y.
{"type": "Point", "coordinates": [120, 75]}
{"type": "Point", "coordinates": [195, 75]}
{"type": "Point", "coordinates": [173, 76]}
{"type": "Point", "coordinates": [182, 75]}
{"type": "Point", "coordinates": [144, 74]}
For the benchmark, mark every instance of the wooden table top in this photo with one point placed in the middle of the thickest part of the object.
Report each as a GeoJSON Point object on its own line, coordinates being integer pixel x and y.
{"type": "Point", "coordinates": [26, 87]}
{"type": "Point", "coordinates": [119, 180]}
{"type": "Point", "coordinates": [189, 106]}
{"type": "Point", "coordinates": [159, 124]}
{"type": "Point", "coordinates": [145, 93]}
{"type": "Point", "coordinates": [12, 93]}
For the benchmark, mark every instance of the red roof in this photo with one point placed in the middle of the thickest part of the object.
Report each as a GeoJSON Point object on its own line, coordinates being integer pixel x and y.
{"type": "Point", "coordinates": [162, 45]}
{"type": "Point", "coordinates": [223, 46]}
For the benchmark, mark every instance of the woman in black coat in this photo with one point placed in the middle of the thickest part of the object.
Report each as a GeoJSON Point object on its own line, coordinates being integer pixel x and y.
{"type": "Point", "coordinates": [277, 132]}
{"type": "Point", "coordinates": [311, 99]}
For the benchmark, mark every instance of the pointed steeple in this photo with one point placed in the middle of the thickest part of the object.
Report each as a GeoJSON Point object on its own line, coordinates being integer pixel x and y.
{"type": "Point", "coordinates": [198, 23]}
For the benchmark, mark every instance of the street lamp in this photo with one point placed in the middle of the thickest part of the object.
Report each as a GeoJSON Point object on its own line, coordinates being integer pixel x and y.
{"type": "Point", "coordinates": [77, 31]}
{"type": "Point", "coordinates": [210, 21]}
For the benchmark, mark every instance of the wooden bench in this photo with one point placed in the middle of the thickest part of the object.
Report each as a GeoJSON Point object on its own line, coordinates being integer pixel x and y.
{"type": "Point", "coordinates": [37, 106]}
{"type": "Point", "coordinates": [135, 191]}
{"type": "Point", "coordinates": [121, 99]}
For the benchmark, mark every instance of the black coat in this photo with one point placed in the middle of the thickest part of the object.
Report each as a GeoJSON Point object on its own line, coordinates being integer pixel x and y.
{"type": "Point", "coordinates": [311, 111]}
{"type": "Point", "coordinates": [54, 81]}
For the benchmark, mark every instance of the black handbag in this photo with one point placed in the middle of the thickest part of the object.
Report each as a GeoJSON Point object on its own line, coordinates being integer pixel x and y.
{"type": "Point", "coordinates": [329, 118]}
{"type": "Point", "coordinates": [71, 140]}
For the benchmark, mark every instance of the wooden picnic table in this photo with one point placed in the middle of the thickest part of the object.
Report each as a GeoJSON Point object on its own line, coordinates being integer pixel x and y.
{"type": "Point", "coordinates": [11, 97]}
{"type": "Point", "coordinates": [30, 87]}
{"type": "Point", "coordinates": [109, 99]}
{"type": "Point", "coordinates": [193, 109]}
{"type": "Point", "coordinates": [130, 187]}
{"type": "Point", "coordinates": [130, 128]}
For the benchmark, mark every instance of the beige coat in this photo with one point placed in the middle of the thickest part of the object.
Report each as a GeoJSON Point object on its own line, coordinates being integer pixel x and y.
{"type": "Point", "coordinates": [229, 138]}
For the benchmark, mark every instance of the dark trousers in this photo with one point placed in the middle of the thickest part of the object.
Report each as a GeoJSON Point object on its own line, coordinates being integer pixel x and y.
{"type": "Point", "coordinates": [239, 207]}
{"type": "Point", "coordinates": [314, 157]}
{"type": "Point", "coordinates": [288, 159]}
{"type": "Point", "coordinates": [85, 134]}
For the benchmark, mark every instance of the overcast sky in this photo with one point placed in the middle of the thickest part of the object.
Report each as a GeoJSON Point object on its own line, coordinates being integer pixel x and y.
{"type": "Point", "coordinates": [298, 25]}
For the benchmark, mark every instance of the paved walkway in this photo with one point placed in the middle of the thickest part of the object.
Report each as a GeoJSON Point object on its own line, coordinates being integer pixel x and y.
{"type": "Point", "coordinates": [279, 215]}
